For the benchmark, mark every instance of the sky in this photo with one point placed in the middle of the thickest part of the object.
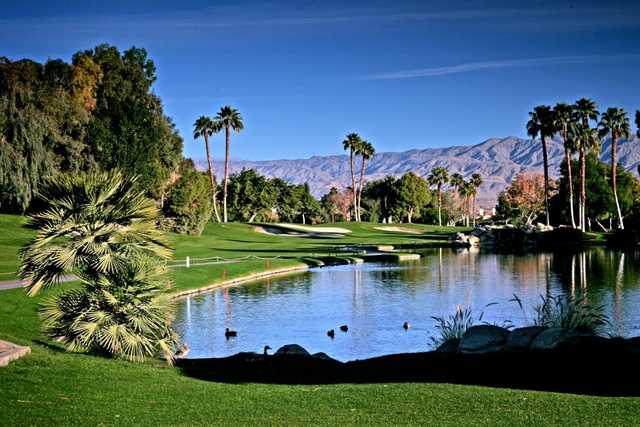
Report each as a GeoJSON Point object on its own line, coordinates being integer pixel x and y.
{"type": "Point", "coordinates": [403, 74]}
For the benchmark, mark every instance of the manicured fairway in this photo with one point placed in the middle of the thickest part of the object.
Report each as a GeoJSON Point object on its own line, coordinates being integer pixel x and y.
{"type": "Point", "coordinates": [51, 387]}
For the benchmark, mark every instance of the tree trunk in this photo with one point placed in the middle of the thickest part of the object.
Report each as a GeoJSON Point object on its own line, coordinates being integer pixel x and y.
{"type": "Point", "coordinates": [583, 192]}
{"type": "Point", "coordinates": [473, 210]}
{"type": "Point", "coordinates": [567, 155]}
{"type": "Point", "coordinates": [212, 178]}
{"type": "Point", "coordinates": [226, 171]}
{"type": "Point", "coordinates": [409, 215]}
{"type": "Point", "coordinates": [614, 186]}
{"type": "Point", "coordinates": [362, 167]}
{"type": "Point", "coordinates": [546, 177]}
{"type": "Point", "coordinates": [439, 205]}
{"type": "Point", "coordinates": [353, 186]}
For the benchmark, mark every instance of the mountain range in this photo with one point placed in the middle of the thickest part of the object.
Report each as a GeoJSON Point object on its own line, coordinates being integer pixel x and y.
{"type": "Point", "coordinates": [498, 160]}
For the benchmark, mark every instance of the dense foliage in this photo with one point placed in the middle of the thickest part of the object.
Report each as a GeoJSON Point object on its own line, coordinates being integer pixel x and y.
{"type": "Point", "coordinates": [97, 112]}
{"type": "Point", "coordinates": [100, 228]}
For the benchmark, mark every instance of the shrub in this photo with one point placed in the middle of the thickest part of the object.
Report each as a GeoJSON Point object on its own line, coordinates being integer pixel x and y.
{"type": "Point", "coordinates": [570, 313]}
{"type": "Point", "coordinates": [452, 326]}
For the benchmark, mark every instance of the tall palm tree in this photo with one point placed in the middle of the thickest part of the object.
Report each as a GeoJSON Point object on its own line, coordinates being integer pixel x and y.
{"type": "Point", "coordinates": [467, 191]}
{"type": "Point", "coordinates": [586, 139]}
{"type": "Point", "coordinates": [458, 183]}
{"type": "Point", "coordinates": [438, 177]}
{"type": "Point", "coordinates": [203, 127]}
{"type": "Point", "coordinates": [541, 123]}
{"type": "Point", "coordinates": [584, 110]}
{"type": "Point", "coordinates": [615, 122]}
{"type": "Point", "coordinates": [366, 151]}
{"type": "Point", "coordinates": [229, 119]}
{"type": "Point", "coordinates": [476, 182]}
{"type": "Point", "coordinates": [352, 143]}
{"type": "Point", "coordinates": [562, 120]}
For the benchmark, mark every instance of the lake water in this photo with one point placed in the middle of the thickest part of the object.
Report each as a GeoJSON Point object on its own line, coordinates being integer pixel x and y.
{"type": "Point", "coordinates": [374, 299]}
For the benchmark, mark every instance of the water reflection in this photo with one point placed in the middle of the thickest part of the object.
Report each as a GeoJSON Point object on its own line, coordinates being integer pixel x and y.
{"type": "Point", "coordinates": [375, 299]}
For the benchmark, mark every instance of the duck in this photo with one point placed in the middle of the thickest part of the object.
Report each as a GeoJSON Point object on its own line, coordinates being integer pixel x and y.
{"type": "Point", "coordinates": [182, 351]}
{"type": "Point", "coordinates": [331, 333]}
{"type": "Point", "coordinates": [406, 326]}
{"type": "Point", "coordinates": [228, 333]}
{"type": "Point", "coordinates": [266, 350]}
{"type": "Point", "coordinates": [344, 328]}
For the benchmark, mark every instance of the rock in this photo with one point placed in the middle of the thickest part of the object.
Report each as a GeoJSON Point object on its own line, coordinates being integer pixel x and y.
{"type": "Point", "coordinates": [291, 349]}
{"type": "Point", "coordinates": [449, 346]}
{"type": "Point", "coordinates": [551, 338]}
{"type": "Point", "coordinates": [633, 345]}
{"type": "Point", "coordinates": [473, 240]}
{"type": "Point", "coordinates": [323, 356]}
{"type": "Point", "coordinates": [483, 339]}
{"type": "Point", "coordinates": [521, 338]}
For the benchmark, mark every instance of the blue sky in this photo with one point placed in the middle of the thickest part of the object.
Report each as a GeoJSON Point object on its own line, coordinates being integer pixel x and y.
{"type": "Point", "coordinates": [304, 73]}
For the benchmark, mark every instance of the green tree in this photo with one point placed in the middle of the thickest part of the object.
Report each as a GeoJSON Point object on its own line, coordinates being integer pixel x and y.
{"type": "Point", "coordinates": [412, 194]}
{"type": "Point", "coordinates": [584, 111]}
{"type": "Point", "coordinates": [563, 119]}
{"type": "Point", "coordinates": [384, 192]}
{"type": "Point", "coordinates": [251, 196]}
{"type": "Point", "coordinates": [366, 151]}
{"type": "Point", "coordinates": [438, 178]}
{"type": "Point", "coordinates": [189, 204]}
{"type": "Point", "coordinates": [352, 144]}
{"type": "Point", "coordinates": [203, 127]}
{"type": "Point", "coordinates": [98, 227]}
{"type": "Point", "coordinates": [228, 119]}
{"type": "Point", "coordinates": [541, 123]}
{"type": "Point", "coordinates": [615, 122]}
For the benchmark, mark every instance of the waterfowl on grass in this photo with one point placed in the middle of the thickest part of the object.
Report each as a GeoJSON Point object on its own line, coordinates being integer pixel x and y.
{"type": "Point", "coordinates": [344, 328]}
{"type": "Point", "coordinates": [266, 349]}
{"type": "Point", "coordinates": [331, 333]}
{"type": "Point", "coordinates": [182, 351]}
{"type": "Point", "coordinates": [406, 326]}
{"type": "Point", "coordinates": [228, 333]}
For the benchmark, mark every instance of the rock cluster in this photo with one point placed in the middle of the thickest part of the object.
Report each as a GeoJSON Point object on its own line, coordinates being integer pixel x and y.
{"type": "Point", "coordinates": [494, 235]}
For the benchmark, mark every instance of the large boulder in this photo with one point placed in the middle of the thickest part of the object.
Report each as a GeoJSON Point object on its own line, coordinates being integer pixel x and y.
{"type": "Point", "coordinates": [521, 338]}
{"type": "Point", "coordinates": [292, 349]}
{"type": "Point", "coordinates": [551, 338]}
{"type": "Point", "coordinates": [483, 339]}
{"type": "Point", "coordinates": [449, 346]}
{"type": "Point", "coordinates": [633, 345]}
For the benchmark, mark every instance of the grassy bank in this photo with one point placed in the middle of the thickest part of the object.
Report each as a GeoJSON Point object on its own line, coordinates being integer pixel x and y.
{"type": "Point", "coordinates": [54, 387]}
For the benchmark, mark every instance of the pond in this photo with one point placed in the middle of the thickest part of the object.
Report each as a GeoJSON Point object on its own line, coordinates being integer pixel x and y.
{"type": "Point", "coordinates": [375, 299]}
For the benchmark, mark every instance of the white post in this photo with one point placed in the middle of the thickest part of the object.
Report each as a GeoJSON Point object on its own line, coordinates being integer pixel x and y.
{"type": "Point", "coordinates": [188, 262]}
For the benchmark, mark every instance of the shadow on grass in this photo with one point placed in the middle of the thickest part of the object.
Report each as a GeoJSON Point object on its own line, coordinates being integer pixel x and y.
{"type": "Point", "coordinates": [589, 368]}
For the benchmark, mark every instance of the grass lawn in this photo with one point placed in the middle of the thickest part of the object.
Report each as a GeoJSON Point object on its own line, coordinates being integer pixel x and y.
{"type": "Point", "coordinates": [53, 387]}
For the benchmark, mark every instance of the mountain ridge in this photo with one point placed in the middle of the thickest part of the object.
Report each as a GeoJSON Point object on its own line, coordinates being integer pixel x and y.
{"type": "Point", "coordinates": [498, 160]}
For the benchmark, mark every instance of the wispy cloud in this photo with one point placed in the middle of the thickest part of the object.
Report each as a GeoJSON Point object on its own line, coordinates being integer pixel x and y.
{"type": "Point", "coordinates": [490, 65]}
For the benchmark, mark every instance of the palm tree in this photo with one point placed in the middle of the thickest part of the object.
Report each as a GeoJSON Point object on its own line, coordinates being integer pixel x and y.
{"type": "Point", "coordinates": [584, 110]}
{"type": "Point", "coordinates": [615, 122]}
{"type": "Point", "coordinates": [203, 127]}
{"type": "Point", "coordinates": [352, 143]}
{"type": "Point", "coordinates": [366, 151]}
{"type": "Point", "coordinates": [638, 123]}
{"type": "Point", "coordinates": [562, 120]}
{"type": "Point", "coordinates": [586, 139]}
{"type": "Point", "coordinates": [99, 228]}
{"type": "Point", "coordinates": [476, 182]}
{"type": "Point", "coordinates": [228, 119]}
{"type": "Point", "coordinates": [466, 191]}
{"type": "Point", "coordinates": [458, 183]}
{"type": "Point", "coordinates": [438, 177]}
{"type": "Point", "coordinates": [541, 123]}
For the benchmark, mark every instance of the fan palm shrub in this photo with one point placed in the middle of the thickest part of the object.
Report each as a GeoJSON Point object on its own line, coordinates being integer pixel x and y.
{"type": "Point", "coordinates": [99, 227]}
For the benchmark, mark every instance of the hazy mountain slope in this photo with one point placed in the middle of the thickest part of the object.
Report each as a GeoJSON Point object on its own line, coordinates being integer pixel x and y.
{"type": "Point", "coordinates": [498, 160]}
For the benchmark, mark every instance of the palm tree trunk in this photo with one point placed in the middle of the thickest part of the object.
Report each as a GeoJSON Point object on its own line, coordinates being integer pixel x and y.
{"type": "Point", "coordinates": [614, 186]}
{"type": "Point", "coordinates": [212, 178]}
{"type": "Point", "coordinates": [473, 210]}
{"type": "Point", "coordinates": [439, 205]}
{"type": "Point", "coordinates": [226, 171]}
{"type": "Point", "coordinates": [583, 195]}
{"type": "Point", "coordinates": [546, 177]}
{"type": "Point", "coordinates": [361, 185]}
{"type": "Point", "coordinates": [353, 186]}
{"type": "Point", "coordinates": [567, 155]}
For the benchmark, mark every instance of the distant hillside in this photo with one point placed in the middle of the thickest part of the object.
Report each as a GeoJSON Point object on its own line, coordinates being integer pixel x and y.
{"type": "Point", "coordinates": [498, 160]}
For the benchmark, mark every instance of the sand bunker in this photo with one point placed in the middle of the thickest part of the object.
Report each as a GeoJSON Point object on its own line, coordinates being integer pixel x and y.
{"type": "Point", "coordinates": [301, 230]}
{"type": "Point", "coordinates": [399, 229]}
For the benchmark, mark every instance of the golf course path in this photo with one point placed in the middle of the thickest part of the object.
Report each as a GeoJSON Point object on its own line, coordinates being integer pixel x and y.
{"type": "Point", "coordinates": [17, 283]}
